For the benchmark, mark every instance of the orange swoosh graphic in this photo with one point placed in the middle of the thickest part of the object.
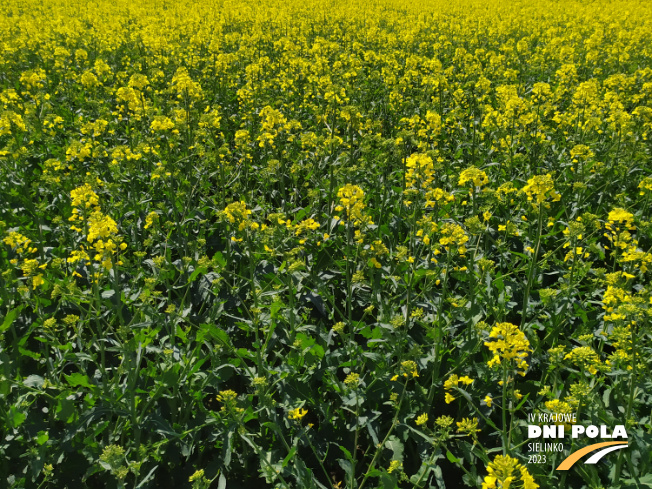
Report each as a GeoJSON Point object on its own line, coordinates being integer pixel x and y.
{"type": "Point", "coordinates": [575, 456]}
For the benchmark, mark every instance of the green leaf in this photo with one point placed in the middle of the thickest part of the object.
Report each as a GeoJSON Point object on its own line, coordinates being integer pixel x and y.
{"type": "Point", "coordinates": [221, 483]}
{"type": "Point", "coordinates": [346, 466]}
{"type": "Point", "coordinates": [451, 458]}
{"type": "Point", "coordinates": [522, 401]}
{"type": "Point", "coordinates": [10, 318]}
{"type": "Point", "coordinates": [78, 379]}
{"type": "Point", "coordinates": [387, 480]}
{"type": "Point", "coordinates": [395, 445]}
{"type": "Point", "coordinates": [219, 258]}
{"type": "Point", "coordinates": [194, 274]}
{"type": "Point", "coordinates": [42, 437]}
{"type": "Point", "coordinates": [18, 417]}
{"type": "Point", "coordinates": [216, 333]}
{"type": "Point", "coordinates": [33, 381]}
{"type": "Point", "coordinates": [346, 453]}
{"type": "Point", "coordinates": [28, 353]}
{"type": "Point", "coordinates": [291, 454]}
{"type": "Point", "coordinates": [605, 397]}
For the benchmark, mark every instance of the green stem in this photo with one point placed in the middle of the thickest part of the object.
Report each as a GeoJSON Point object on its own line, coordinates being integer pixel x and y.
{"type": "Point", "coordinates": [530, 278]}
{"type": "Point", "coordinates": [349, 312]}
{"type": "Point", "coordinates": [630, 400]}
{"type": "Point", "coordinates": [438, 333]}
{"type": "Point", "coordinates": [355, 440]}
{"type": "Point", "coordinates": [380, 446]}
{"type": "Point", "coordinates": [504, 413]}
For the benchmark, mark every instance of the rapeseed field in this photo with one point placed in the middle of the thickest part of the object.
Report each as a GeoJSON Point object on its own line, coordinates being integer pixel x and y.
{"type": "Point", "coordinates": [325, 244]}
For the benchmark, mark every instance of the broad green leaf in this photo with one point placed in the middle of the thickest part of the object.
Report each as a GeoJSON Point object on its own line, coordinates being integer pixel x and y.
{"type": "Point", "coordinates": [78, 379]}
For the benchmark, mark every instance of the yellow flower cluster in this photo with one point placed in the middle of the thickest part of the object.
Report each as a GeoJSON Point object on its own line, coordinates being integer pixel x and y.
{"type": "Point", "coordinates": [305, 226]}
{"type": "Point", "coordinates": [645, 185]}
{"type": "Point", "coordinates": [509, 343]}
{"type": "Point", "coordinates": [621, 216]}
{"type": "Point", "coordinates": [584, 357]}
{"type": "Point", "coordinates": [474, 175]}
{"type": "Point", "coordinates": [559, 407]}
{"type": "Point", "coordinates": [621, 339]}
{"type": "Point", "coordinates": [352, 202]}
{"type": "Point", "coordinates": [420, 172]}
{"type": "Point", "coordinates": [437, 195]}
{"type": "Point", "coordinates": [237, 213]}
{"type": "Point", "coordinates": [101, 230]}
{"type": "Point", "coordinates": [184, 86]}
{"type": "Point", "coordinates": [229, 399]}
{"type": "Point", "coordinates": [409, 368]}
{"type": "Point", "coordinates": [452, 383]}
{"type": "Point", "coordinates": [421, 419]}
{"type": "Point", "coordinates": [352, 380]}
{"type": "Point", "coordinates": [541, 187]}
{"type": "Point", "coordinates": [453, 235]}
{"type": "Point", "coordinates": [297, 413]}
{"type": "Point", "coordinates": [161, 123]}
{"type": "Point", "coordinates": [468, 426]}
{"type": "Point", "coordinates": [19, 243]}
{"type": "Point", "coordinates": [150, 219]}
{"type": "Point", "coordinates": [84, 197]}
{"type": "Point", "coordinates": [505, 471]}
{"type": "Point", "coordinates": [622, 306]}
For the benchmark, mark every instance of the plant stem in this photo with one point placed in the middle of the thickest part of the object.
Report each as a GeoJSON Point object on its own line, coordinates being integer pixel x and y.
{"type": "Point", "coordinates": [530, 278]}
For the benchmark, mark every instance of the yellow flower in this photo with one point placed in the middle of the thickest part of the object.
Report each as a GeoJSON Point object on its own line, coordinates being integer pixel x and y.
{"type": "Point", "coordinates": [645, 185]}
{"type": "Point", "coordinates": [394, 465]}
{"type": "Point", "coordinates": [196, 476]}
{"type": "Point", "coordinates": [297, 413]}
{"type": "Point", "coordinates": [150, 219]}
{"type": "Point", "coordinates": [540, 188]}
{"type": "Point", "coordinates": [229, 399]}
{"type": "Point", "coordinates": [468, 426]}
{"type": "Point", "coordinates": [488, 400]}
{"type": "Point", "coordinates": [509, 343]}
{"type": "Point", "coordinates": [351, 200]}
{"type": "Point", "coordinates": [453, 234]}
{"type": "Point", "coordinates": [620, 215]}
{"type": "Point", "coordinates": [585, 357]}
{"type": "Point", "coordinates": [161, 123]}
{"type": "Point", "coordinates": [420, 171]}
{"type": "Point", "coordinates": [421, 420]}
{"type": "Point", "coordinates": [352, 379]}
{"type": "Point", "coordinates": [84, 196]}
{"type": "Point", "coordinates": [505, 470]}
{"type": "Point", "coordinates": [237, 213]}
{"type": "Point", "coordinates": [409, 368]}
{"type": "Point", "coordinates": [474, 175]}
{"type": "Point", "coordinates": [454, 380]}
